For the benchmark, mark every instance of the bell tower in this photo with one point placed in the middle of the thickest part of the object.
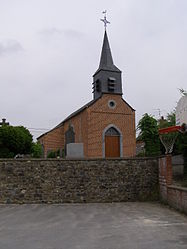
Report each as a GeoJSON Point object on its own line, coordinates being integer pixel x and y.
{"type": "Point", "coordinates": [107, 79]}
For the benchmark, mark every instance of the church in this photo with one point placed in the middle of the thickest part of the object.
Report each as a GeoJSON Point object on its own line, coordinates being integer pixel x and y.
{"type": "Point", "coordinates": [104, 127]}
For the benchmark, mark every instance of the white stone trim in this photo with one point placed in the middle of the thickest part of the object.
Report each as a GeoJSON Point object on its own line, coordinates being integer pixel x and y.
{"type": "Point", "coordinates": [112, 107]}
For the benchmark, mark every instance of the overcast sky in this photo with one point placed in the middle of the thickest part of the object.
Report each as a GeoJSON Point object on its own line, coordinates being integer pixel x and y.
{"type": "Point", "coordinates": [49, 50]}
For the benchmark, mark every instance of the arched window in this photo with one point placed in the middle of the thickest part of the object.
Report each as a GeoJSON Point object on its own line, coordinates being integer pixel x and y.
{"type": "Point", "coordinates": [112, 132]}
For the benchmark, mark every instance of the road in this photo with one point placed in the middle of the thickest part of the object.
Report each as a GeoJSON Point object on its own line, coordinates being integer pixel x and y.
{"type": "Point", "coordinates": [92, 226]}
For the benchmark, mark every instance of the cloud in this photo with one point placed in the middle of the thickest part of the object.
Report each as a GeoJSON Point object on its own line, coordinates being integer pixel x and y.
{"type": "Point", "coordinates": [70, 33]}
{"type": "Point", "coordinates": [50, 32]}
{"type": "Point", "coordinates": [10, 46]}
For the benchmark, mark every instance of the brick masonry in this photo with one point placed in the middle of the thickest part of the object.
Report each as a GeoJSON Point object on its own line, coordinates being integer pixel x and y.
{"type": "Point", "coordinates": [74, 181]}
{"type": "Point", "coordinates": [173, 195]}
{"type": "Point", "coordinates": [89, 125]}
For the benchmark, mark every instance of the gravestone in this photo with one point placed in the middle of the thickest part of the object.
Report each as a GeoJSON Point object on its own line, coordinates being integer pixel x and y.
{"type": "Point", "coordinates": [69, 137]}
{"type": "Point", "coordinates": [75, 150]}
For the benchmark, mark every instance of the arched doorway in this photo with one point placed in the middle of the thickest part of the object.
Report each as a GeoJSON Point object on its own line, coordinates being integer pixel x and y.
{"type": "Point", "coordinates": [112, 145]}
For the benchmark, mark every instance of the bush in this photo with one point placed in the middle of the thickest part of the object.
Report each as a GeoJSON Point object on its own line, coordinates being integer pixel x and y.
{"type": "Point", "coordinates": [36, 150]}
{"type": "Point", "coordinates": [55, 154]}
{"type": "Point", "coordinates": [52, 154]}
{"type": "Point", "coordinates": [14, 140]}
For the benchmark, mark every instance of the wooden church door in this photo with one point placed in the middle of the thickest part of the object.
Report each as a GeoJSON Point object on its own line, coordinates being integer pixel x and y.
{"type": "Point", "coordinates": [112, 143]}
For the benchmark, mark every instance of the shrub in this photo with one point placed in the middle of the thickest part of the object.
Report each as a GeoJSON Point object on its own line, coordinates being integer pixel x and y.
{"type": "Point", "coordinates": [14, 140]}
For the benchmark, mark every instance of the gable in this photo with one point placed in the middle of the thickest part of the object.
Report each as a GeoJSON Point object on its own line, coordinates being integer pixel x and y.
{"type": "Point", "coordinates": [111, 103]}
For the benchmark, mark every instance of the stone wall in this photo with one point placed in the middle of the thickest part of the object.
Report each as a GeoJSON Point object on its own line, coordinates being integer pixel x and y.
{"type": "Point", "coordinates": [173, 195]}
{"type": "Point", "coordinates": [177, 166]}
{"type": "Point", "coordinates": [177, 197]}
{"type": "Point", "coordinates": [66, 181]}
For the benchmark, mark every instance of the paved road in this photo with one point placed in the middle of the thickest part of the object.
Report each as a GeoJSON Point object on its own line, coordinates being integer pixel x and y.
{"type": "Point", "coordinates": [92, 226]}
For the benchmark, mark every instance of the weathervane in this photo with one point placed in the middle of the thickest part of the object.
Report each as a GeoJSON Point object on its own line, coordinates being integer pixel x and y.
{"type": "Point", "coordinates": [105, 20]}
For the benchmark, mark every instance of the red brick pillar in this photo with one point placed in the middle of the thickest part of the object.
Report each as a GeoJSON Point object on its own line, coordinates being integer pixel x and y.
{"type": "Point", "coordinates": [165, 176]}
{"type": "Point", "coordinates": [169, 177]}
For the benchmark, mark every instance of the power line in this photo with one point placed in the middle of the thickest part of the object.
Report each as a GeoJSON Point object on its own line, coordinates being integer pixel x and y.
{"type": "Point", "coordinates": [32, 131]}
{"type": "Point", "coordinates": [39, 129]}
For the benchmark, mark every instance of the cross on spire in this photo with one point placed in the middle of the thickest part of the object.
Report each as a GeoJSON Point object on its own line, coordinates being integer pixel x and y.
{"type": "Point", "coordinates": [107, 78]}
{"type": "Point", "coordinates": [104, 20]}
{"type": "Point", "coordinates": [4, 122]}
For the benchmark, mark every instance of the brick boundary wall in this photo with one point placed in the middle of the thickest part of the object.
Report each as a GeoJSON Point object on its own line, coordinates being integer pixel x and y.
{"type": "Point", "coordinates": [74, 181]}
{"type": "Point", "coordinates": [173, 195]}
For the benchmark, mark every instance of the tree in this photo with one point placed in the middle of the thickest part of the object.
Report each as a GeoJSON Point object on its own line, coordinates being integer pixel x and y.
{"type": "Point", "coordinates": [149, 134]}
{"type": "Point", "coordinates": [36, 150]}
{"type": "Point", "coordinates": [14, 140]}
{"type": "Point", "coordinates": [169, 121]}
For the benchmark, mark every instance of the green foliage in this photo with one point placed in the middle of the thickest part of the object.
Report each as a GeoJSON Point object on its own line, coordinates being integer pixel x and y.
{"type": "Point", "coordinates": [58, 153]}
{"type": "Point", "coordinates": [52, 154]}
{"type": "Point", "coordinates": [149, 134]}
{"type": "Point", "coordinates": [171, 118]}
{"type": "Point", "coordinates": [14, 140]}
{"type": "Point", "coordinates": [141, 154]}
{"type": "Point", "coordinates": [63, 153]}
{"type": "Point", "coordinates": [169, 121]}
{"type": "Point", "coordinates": [36, 150]}
{"type": "Point", "coordinates": [55, 154]}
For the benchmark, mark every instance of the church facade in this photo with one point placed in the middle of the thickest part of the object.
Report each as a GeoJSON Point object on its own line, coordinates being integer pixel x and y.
{"type": "Point", "coordinates": [106, 125]}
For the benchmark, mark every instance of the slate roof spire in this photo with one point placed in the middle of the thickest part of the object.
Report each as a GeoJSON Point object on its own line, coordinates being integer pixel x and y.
{"type": "Point", "coordinates": [107, 78]}
{"type": "Point", "coordinates": [106, 61]}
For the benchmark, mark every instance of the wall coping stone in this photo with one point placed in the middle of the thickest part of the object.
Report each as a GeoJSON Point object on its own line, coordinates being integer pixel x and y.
{"type": "Point", "coordinates": [177, 187]}
{"type": "Point", "coordinates": [77, 159]}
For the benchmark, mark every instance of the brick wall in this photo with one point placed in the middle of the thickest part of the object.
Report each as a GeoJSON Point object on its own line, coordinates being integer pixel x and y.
{"type": "Point", "coordinates": [90, 124]}
{"type": "Point", "coordinates": [175, 196]}
{"type": "Point", "coordinates": [54, 140]}
{"type": "Point", "coordinates": [80, 125]}
{"type": "Point", "coordinates": [63, 181]}
{"type": "Point", "coordinates": [100, 116]}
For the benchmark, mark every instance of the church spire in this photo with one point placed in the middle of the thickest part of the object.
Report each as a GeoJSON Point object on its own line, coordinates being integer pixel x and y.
{"type": "Point", "coordinates": [106, 55]}
{"type": "Point", "coordinates": [106, 61]}
{"type": "Point", "coordinates": [107, 79]}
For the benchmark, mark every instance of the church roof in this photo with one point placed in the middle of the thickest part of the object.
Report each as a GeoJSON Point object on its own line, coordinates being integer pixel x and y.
{"type": "Point", "coordinates": [106, 61]}
{"type": "Point", "coordinates": [71, 116]}
{"type": "Point", "coordinates": [77, 112]}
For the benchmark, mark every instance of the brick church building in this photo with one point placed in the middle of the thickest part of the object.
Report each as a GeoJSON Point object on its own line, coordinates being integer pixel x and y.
{"type": "Point", "coordinates": [106, 125]}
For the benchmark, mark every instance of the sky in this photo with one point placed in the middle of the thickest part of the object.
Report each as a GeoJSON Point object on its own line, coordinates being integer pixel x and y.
{"type": "Point", "coordinates": [50, 49]}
